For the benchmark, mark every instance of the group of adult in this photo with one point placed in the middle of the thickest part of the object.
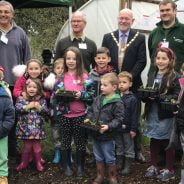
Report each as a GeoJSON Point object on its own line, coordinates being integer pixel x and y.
{"type": "Point", "coordinates": [14, 46]}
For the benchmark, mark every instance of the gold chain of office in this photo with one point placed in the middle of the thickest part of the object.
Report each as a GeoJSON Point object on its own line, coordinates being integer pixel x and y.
{"type": "Point", "coordinates": [128, 44]}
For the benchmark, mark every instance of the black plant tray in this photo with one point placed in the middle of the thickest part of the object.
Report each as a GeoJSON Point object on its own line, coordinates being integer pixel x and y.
{"type": "Point", "coordinates": [66, 95]}
{"type": "Point", "coordinates": [168, 106]}
{"type": "Point", "coordinates": [145, 93]}
{"type": "Point", "coordinates": [88, 124]}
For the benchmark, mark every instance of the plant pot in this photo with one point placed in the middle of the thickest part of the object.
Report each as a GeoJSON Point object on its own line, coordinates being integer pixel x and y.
{"type": "Point", "coordinates": [169, 107]}
{"type": "Point", "coordinates": [66, 96]}
{"type": "Point", "coordinates": [146, 93]}
{"type": "Point", "coordinates": [88, 124]}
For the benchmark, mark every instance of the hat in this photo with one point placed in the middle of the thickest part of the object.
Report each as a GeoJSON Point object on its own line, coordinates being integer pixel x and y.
{"type": "Point", "coordinates": [1, 68]}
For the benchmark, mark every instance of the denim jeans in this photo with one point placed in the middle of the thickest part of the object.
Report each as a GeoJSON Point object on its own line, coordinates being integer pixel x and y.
{"type": "Point", "coordinates": [104, 151]}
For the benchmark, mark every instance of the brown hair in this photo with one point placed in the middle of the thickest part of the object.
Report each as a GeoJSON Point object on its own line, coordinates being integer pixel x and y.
{"type": "Point", "coordinates": [127, 75]}
{"type": "Point", "coordinates": [111, 77]}
{"type": "Point", "coordinates": [165, 2]}
{"type": "Point", "coordinates": [103, 50]}
{"type": "Point", "coordinates": [79, 62]}
{"type": "Point", "coordinates": [40, 92]}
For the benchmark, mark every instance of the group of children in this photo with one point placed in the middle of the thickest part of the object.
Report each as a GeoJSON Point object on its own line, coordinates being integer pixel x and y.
{"type": "Point", "coordinates": [101, 96]}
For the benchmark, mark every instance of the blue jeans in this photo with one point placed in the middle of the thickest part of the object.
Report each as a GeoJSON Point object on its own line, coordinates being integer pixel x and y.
{"type": "Point", "coordinates": [104, 151]}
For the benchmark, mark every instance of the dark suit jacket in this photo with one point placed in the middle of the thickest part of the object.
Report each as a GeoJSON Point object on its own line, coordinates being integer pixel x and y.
{"type": "Point", "coordinates": [135, 55]}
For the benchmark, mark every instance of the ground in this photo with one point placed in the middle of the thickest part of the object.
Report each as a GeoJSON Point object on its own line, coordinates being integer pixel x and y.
{"type": "Point", "coordinates": [53, 175]}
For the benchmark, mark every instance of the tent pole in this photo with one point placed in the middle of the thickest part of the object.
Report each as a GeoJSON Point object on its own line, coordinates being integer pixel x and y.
{"type": "Point", "coordinates": [122, 4]}
{"type": "Point", "coordinates": [70, 15]}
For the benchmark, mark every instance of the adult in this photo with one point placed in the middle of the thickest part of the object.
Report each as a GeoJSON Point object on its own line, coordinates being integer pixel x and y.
{"type": "Point", "coordinates": [128, 53]}
{"type": "Point", "coordinates": [14, 49]}
{"type": "Point", "coordinates": [168, 33]}
{"type": "Point", "coordinates": [134, 59]}
{"type": "Point", "coordinates": [78, 39]}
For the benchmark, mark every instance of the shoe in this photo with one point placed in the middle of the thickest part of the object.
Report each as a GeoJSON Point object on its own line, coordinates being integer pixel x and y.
{"type": "Point", "coordinates": [66, 158]}
{"type": "Point", "coordinates": [39, 165]}
{"type": "Point", "coordinates": [166, 175]}
{"type": "Point", "coordinates": [112, 174]}
{"type": "Point", "coordinates": [57, 157]}
{"type": "Point", "coordinates": [24, 162]}
{"type": "Point", "coordinates": [80, 161]}
{"type": "Point", "coordinates": [151, 171]}
{"type": "Point", "coordinates": [3, 180]}
{"type": "Point", "coordinates": [140, 157]}
{"type": "Point", "coordinates": [100, 173]}
{"type": "Point", "coordinates": [127, 165]}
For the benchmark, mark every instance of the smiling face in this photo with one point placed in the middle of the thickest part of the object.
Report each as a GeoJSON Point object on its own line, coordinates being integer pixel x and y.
{"type": "Point", "coordinates": [6, 16]}
{"type": "Point", "coordinates": [125, 20]}
{"type": "Point", "coordinates": [167, 13]}
{"type": "Point", "coordinates": [124, 84]}
{"type": "Point", "coordinates": [102, 60]}
{"type": "Point", "coordinates": [162, 62]}
{"type": "Point", "coordinates": [71, 61]}
{"type": "Point", "coordinates": [58, 69]}
{"type": "Point", "coordinates": [34, 70]}
{"type": "Point", "coordinates": [32, 89]}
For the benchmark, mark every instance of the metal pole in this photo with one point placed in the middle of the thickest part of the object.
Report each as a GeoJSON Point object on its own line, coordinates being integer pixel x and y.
{"type": "Point", "coordinates": [122, 4]}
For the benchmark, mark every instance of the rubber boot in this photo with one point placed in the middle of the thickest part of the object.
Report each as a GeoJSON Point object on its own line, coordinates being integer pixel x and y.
{"type": "Point", "coordinates": [32, 156]}
{"type": "Point", "coordinates": [120, 162]}
{"type": "Point", "coordinates": [127, 165]}
{"type": "Point", "coordinates": [80, 160]}
{"type": "Point", "coordinates": [57, 156]}
{"type": "Point", "coordinates": [3, 180]}
{"type": "Point", "coordinates": [39, 165]}
{"type": "Point", "coordinates": [100, 173]}
{"type": "Point", "coordinates": [24, 162]}
{"type": "Point", "coordinates": [66, 163]}
{"type": "Point", "coordinates": [112, 173]}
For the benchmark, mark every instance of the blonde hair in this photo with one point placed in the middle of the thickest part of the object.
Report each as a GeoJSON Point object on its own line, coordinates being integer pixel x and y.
{"type": "Point", "coordinates": [1, 75]}
{"type": "Point", "coordinates": [58, 61]}
{"type": "Point", "coordinates": [127, 75]}
{"type": "Point", "coordinates": [112, 78]}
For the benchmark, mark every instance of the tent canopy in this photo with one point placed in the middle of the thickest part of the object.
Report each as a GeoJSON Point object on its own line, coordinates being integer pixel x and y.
{"type": "Point", "coordinates": [39, 3]}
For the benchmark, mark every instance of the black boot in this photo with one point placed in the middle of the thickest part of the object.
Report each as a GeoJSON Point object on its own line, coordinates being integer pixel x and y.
{"type": "Point", "coordinates": [67, 168]}
{"type": "Point", "coordinates": [119, 161]}
{"type": "Point", "coordinates": [127, 165]}
{"type": "Point", "coordinates": [80, 160]}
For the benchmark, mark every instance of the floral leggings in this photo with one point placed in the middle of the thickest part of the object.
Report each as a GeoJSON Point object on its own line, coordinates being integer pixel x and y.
{"type": "Point", "coordinates": [71, 129]}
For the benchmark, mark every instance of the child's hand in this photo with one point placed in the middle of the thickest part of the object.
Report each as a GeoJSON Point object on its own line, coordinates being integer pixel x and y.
{"type": "Point", "coordinates": [104, 128]}
{"type": "Point", "coordinates": [132, 134]}
{"type": "Point", "coordinates": [77, 94]}
{"type": "Point", "coordinates": [31, 105]}
{"type": "Point", "coordinates": [37, 105]}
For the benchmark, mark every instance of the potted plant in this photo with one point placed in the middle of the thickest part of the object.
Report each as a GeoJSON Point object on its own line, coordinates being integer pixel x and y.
{"type": "Point", "coordinates": [170, 105]}
{"type": "Point", "coordinates": [65, 95]}
{"type": "Point", "coordinates": [148, 92]}
{"type": "Point", "coordinates": [89, 124]}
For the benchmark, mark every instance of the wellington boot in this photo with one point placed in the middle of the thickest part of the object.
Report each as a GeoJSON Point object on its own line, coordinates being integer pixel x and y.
{"type": "Point", "coordinates": [119, 161]}
{"type": "Point", "coordinates": [100, 173]}
{"type": "Point", "coordinates": [112, 173]}
{"type": "Point", "coordinates": [39, 165]}
{"type": "Point", "coordinates": [127, 165]}
{"type": "Point", "coordinates": [24, 162]}
{"type": "Point", "coordinates": [66, 162]}
{"type": "Point", "coordinates": [57, 157]}
{"type": "Point", "coordinates": [80, 160]}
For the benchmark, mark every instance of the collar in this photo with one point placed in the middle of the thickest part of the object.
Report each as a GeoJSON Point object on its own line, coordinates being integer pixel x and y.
{"type": "Point", "coordinates": [72, 36]}
{"type": "Point", "coordinates": [126, 34]}
{"type": "Point", "coordinates": [6, 31]}
{"type": "Point", "coordinates": [160, 24]}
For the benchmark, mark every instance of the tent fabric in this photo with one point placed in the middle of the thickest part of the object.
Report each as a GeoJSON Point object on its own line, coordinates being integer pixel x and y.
{"type": "Point", "coordinates": [39, 3]}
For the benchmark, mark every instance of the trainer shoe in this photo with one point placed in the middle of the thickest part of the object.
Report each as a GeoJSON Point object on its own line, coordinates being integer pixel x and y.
{"type": "Point", "coordinates": [166, 175]}
{"type": "Point", "coordinates": [151, 171]}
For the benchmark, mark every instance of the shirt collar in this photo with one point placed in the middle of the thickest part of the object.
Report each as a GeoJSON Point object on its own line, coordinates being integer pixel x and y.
{"type": "Point", "coordinates": [120, 34]}
{"type": "Point", "coordinates": [72, 36]}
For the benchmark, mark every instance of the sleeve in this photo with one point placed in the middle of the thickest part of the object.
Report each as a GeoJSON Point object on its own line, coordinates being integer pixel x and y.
{"type": "Point", "coordinates": [21, 106]}
{"type": "Point", "coordinates": [141, 57]}
{"type": "Point", "coordinates": [8, 119]}
{"type": "Point", "coordinates": [25, 49]}
{"type": "Point", "coordinates": [44, 109]}
{"type": "Point", "coordinates": [59, 52]}
{"type": "Point", "coordinates": [118, 111]}
{"type": "Point", "coordinates": [18, 87]}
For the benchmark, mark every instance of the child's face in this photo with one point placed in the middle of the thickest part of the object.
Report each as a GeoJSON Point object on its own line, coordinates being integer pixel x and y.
{"type": "Point", "coordinates": [32, 88]}
{"type": "Point", "coordinates": [124, 84]}
{"type": "Point", "coordinates": [162, 61]}
{"type": "Point", "coordinates": [102, 60]}
{"type": "Point", "coordinates": [71, 62]}
{"type": "Point", "coordinates": [34, 70]}
{"type": "Point", "coordinates": [1, 75]}
{"type": "Point", "coordinates": [107, 88]}
{"type": "Point", "coordinates": [59, 68]}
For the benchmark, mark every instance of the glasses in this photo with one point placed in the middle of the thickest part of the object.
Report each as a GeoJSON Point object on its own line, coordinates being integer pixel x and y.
{"type": "Point", "coordinates": [76, 21]}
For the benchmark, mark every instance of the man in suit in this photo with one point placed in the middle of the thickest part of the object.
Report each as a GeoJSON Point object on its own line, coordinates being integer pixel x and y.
{"type": "Point", "coordinates": [130, 57]}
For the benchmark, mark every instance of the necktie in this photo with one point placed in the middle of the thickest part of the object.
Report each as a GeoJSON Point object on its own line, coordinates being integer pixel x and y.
{"type": "Point", "coordinates": [121, 51]}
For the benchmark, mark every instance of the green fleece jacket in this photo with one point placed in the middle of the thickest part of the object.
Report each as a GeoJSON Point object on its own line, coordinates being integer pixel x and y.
{"type": "Point", "coordinates": [175, 37]}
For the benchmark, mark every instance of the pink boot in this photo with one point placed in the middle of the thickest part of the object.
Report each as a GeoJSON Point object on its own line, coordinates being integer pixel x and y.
{"type": "Point", "coordinates": [24, 162]}
{"type": "Point", "coordinates": [39, 165]}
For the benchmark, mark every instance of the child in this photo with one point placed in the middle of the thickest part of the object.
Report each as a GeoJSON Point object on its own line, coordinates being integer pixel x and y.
{"type": "Point", "coordinates": [7, 116]}
{"type": "Point", "coordinates": [49, 83]}
{"type": "Point", "coordinates": [102, 60]}
{"type": "Point", "coordinates": [159, 122]}
{"type": "Point", "coordinates": [31, 110]}
{"type": "Point", "coordinates": [108, 111]}
{"type": "Point", "coordinates": [125, 137]}
{"type": "Point", "coordinates": [73, 112]}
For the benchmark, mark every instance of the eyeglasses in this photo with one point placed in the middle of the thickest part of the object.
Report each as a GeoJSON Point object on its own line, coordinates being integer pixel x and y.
{"type": "Point", "coordinates": [76, 21]}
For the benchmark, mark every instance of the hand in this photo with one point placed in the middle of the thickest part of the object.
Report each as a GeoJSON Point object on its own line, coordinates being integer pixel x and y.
{"type": "Point", "coordinates": [37, 105]}
{"type": "Point", "coordinates": [77, 94]}
{"type": "Point", "coordinates": [132, 134]}
{"type": "Point", "coordinates": [104, 128]}
{"type": "Point", "coordinates": [31, 105]}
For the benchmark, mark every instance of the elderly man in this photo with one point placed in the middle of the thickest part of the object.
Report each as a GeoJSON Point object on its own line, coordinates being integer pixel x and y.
{"type": "Point", "coordinates": [14, 49]}
{"type": "Point", "coordinates": [79, 40]}
{"type": "Point", "coordinates": [128, 53]}
{"type": "Point", "coordinates": [168, 33]}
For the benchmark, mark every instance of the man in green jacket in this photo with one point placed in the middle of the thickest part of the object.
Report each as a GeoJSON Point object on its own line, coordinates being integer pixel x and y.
{"type": "Point", "coordinates": [168, 33]}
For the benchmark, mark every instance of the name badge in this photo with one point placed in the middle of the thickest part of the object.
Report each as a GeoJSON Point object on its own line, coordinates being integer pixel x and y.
{"type": "Point", "coordinates": [4, 39]}
{"type": "Point", "coordinates": [165, 44]}
{"type": "Point", "coordinates": [82, 46]}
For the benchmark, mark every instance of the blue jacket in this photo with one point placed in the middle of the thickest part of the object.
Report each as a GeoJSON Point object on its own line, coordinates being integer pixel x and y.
{"type": "Point", "coordinates": [7, 113]}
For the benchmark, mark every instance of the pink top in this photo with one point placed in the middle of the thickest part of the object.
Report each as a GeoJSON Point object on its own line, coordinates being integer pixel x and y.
{"type": "Point", "coordinates": [77, 107]}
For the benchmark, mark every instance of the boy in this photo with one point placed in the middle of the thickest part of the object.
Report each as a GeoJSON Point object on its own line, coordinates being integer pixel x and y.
{"type": "Point", "coordinates": [125, 137]}
{"type": "Point", "coordinates": [102, 60]}
{"type": "Point", "coordinates": [108, 111]}
{"type": "Point", "coordinates": [7, 116]}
